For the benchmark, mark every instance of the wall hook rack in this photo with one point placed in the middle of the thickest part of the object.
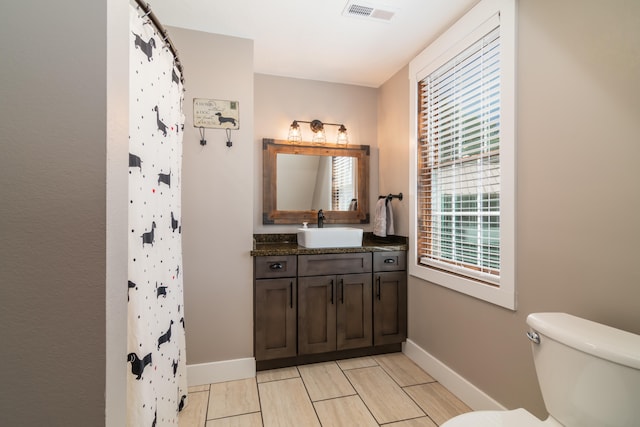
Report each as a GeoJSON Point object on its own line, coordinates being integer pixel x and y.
{"type": "Point", "coordinates": [203, 141]}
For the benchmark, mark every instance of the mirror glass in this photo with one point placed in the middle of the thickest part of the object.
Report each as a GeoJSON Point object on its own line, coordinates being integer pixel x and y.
{"type": "Point", "coordinates": [316, 182]}
{"type": "Point", "coordinates": [301, 178]}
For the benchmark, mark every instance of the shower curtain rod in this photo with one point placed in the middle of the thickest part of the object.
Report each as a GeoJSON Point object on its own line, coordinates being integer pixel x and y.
{"type": "Point", "coordinates": [148, 12]}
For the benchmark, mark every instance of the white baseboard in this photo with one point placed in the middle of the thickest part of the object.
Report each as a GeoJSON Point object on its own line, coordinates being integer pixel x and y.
{"type": "Point", "coordinates": [475, 398]}
{"type": "Point", "coordinates": [217, 372]}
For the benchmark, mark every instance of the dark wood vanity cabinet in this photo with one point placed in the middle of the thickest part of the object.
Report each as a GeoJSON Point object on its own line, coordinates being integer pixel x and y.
{"type": "Point", "coordinates": [275, 307]}
{"type": "Point", "coordinates": [390, 297]}
{"type": "Point", "coordinates": [334, 310]}
{"type": "Point", "coordinates": [314, 307]}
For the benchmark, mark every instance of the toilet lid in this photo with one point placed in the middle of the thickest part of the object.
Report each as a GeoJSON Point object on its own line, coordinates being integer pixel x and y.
{"type": "Point", "coordinates": [515, 418]}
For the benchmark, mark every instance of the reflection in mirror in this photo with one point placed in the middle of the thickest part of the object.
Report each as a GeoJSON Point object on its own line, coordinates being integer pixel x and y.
{"type": "Point", "coordinates": [301, 178]}
{"type": "Point", "coordinates": [316, 182]}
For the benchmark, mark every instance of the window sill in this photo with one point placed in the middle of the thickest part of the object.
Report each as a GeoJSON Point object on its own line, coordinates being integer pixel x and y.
{"type": "Point", "coordinates": [501, 295]}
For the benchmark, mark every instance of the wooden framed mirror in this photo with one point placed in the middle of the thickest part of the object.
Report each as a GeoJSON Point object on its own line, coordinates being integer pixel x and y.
{"type": "Point", "coordinates": [301, 178]}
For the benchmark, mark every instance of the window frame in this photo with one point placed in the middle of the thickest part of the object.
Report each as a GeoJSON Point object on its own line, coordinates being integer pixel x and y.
{"type": "Point", "coordinates": [466, 31]}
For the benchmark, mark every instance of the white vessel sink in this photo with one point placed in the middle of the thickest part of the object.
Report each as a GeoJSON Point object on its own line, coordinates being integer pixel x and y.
{"type": "Point", "coordinates": [330, 237]}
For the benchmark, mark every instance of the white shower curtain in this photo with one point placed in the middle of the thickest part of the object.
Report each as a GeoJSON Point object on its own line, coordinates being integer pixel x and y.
{"type": "Point", "coordinates": [156, 384]}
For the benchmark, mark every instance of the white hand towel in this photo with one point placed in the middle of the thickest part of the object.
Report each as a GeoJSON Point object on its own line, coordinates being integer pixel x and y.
{"type": "Point", "coordinates": [380, 220]}
{"type": "Point", "coordinates": [390, 230]}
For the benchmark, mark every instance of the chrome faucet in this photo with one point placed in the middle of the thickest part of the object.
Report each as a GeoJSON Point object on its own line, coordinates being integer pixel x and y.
{"type": "Point", "coordinates": [320, 219]}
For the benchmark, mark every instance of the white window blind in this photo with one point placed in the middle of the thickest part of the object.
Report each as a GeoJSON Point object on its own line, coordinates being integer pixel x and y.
{"type": "Point", "coordinates": [458, 218]}
{"type": "Point", "coordinates": [343, 183]}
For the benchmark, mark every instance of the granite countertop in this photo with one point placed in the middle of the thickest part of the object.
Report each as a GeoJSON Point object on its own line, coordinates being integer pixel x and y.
{"type": "Point", "coordinates": [287, 244]}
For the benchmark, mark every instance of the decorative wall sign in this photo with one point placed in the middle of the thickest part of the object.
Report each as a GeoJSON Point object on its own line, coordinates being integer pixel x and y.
{"type": "Point", "coordinates": [216, 114]}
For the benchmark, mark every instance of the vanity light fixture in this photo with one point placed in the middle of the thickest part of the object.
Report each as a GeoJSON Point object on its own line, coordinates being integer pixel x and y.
{"type": "Point", "coordinates": [294, 132]}
{"type": "Point", "coordinates": [343, 138]}
{"type": "Point", "coordinates": [317, 127]}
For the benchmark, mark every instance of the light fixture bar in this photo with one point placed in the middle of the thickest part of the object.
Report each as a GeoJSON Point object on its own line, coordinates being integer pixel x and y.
{"type": "Point", "coordinates": [317, 127]}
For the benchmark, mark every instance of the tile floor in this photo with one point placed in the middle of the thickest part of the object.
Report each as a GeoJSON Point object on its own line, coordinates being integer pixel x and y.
{"type": "Point", "coordinates": [386, 390]}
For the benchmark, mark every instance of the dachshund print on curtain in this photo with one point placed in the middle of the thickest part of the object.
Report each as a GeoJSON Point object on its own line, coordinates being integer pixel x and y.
{"type": "Point", "coordinates": [156, 374]}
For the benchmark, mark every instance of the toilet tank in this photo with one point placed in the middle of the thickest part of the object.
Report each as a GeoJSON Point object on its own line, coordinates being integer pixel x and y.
{"type": "Point", "coordinates": [589, 373]}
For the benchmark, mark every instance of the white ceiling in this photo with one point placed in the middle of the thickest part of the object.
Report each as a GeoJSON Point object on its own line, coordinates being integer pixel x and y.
{"type": "Point", "coordinates": [311, 39]}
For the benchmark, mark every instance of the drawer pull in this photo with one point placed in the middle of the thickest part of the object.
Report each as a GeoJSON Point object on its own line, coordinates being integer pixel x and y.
{"type": "Point", "coordinates": [389, 261]}
{"type": "Point", "coordinates": [276, 266]}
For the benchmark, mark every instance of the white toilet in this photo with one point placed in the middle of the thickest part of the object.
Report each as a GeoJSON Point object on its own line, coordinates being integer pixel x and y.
{"type": "Point", "coordinates": [589, 375]}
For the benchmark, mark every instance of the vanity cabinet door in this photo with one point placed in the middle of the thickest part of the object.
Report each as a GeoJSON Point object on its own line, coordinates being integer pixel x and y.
{"type": "Point", "coordinates": [275, 318]}
{"type": "Point", "coordinates": [334, 313]}
{"type": "Point", "coordinates": [389, 307]}
{"type": "Point", "coordinates": [353, 305]}
{"type": "Point", "coordinates": [316, 314]}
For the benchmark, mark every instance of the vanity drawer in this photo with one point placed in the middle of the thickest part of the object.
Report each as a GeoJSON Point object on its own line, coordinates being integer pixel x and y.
{"type": "Point", "coordinates": [389, 261]}
{"type": "Point", "coordinates": [275, 266]}
{"type": "Point", "coordinates": [318, 265]}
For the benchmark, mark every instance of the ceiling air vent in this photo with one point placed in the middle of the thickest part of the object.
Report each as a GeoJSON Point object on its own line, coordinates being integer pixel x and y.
{"type": "Point", "coordinates": [369, 10]}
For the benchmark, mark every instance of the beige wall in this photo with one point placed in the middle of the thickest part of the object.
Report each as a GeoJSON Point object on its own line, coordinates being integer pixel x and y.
{"type": "Point", "coordinates": [578, 196]}
{"type": "Point", "coordinates": [280, 100]}
{"type": "Point", "coordinates": [117, 233]}
{"type": "Point", "coordinates": [53, 122]}
{"type": "Point", "coordinates": [393, 134]}
{"type": "Point", "coordinates": [217, 201]}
